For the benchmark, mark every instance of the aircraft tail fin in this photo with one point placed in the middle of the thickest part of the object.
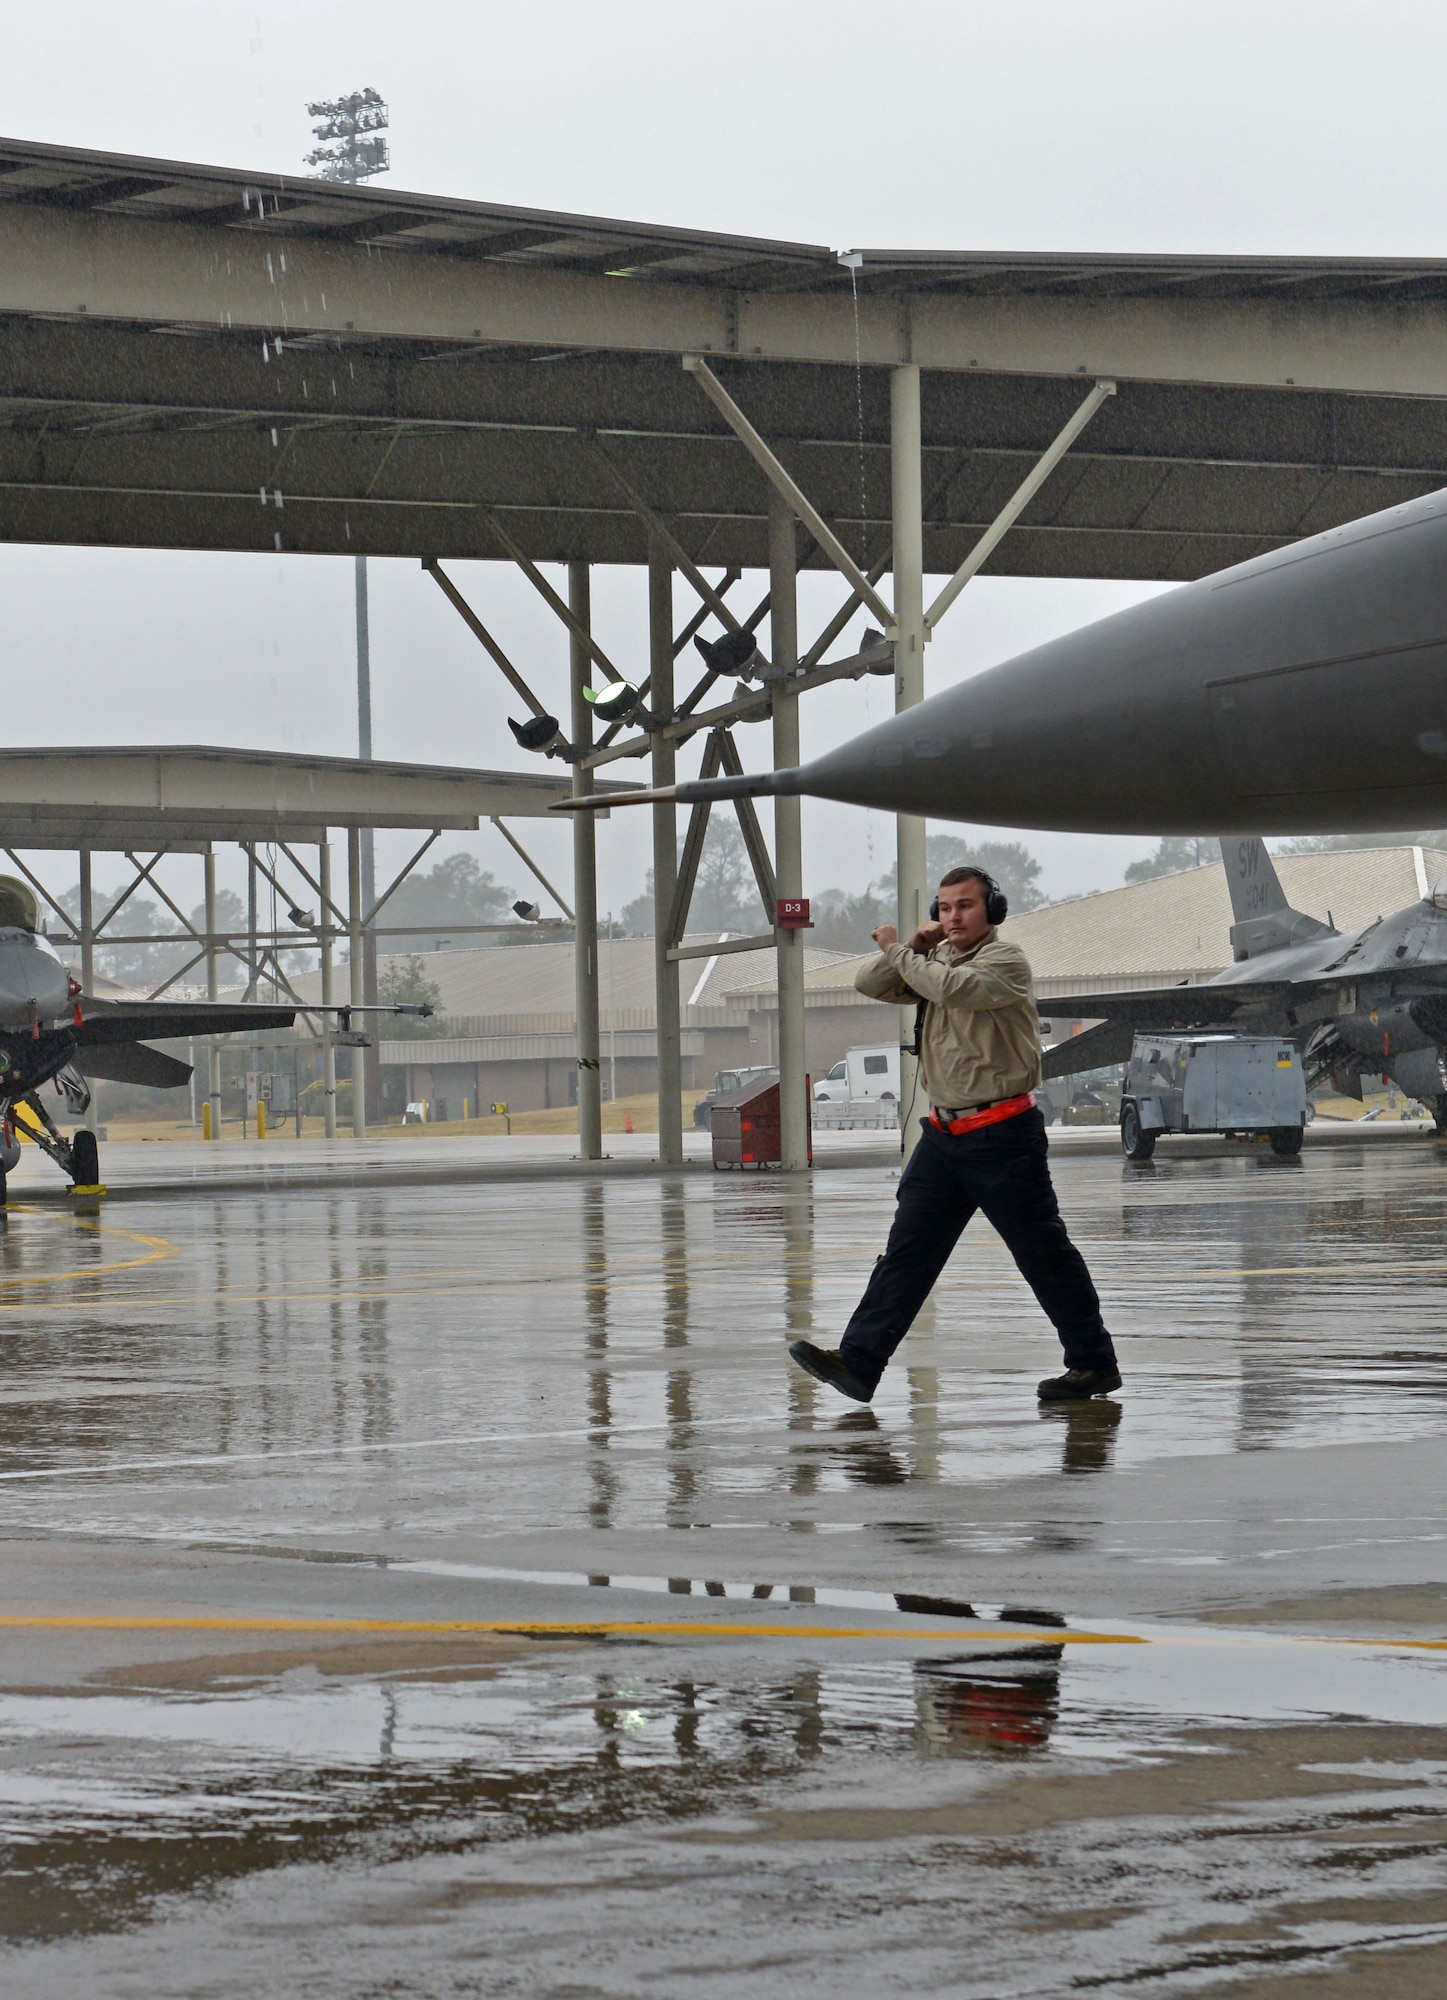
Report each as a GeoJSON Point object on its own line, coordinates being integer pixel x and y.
{"type": "Point", "coordinates": [1264, 920]}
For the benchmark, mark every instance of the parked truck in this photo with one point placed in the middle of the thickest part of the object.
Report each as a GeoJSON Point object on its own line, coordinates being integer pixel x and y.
{"type": "Point", "coordinates": [869, 1073]}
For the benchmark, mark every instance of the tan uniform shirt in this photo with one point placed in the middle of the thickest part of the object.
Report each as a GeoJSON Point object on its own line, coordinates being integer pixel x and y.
{"type": "Point", "coordinates": [981, 1035]}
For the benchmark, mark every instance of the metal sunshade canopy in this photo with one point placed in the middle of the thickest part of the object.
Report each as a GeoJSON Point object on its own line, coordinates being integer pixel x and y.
{"type": "Point", "coordinates": [181, 795]}
{"type": "Point", "coordinates": [194, 357]}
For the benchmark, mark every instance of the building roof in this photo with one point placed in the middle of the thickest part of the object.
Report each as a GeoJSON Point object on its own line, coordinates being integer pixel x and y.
{"type": "Point", "coordinates": [520, 987]}
{"type": "Point", "coordinates": [195, 356]}
{"type": "Point", "coordinates": [1176, 926]}
{"type": "Point", "coordinates": [1170, 928]}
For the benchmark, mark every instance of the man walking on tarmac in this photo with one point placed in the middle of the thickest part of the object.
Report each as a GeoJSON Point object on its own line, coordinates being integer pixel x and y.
{"type": "Point", "coordinates": [982, 1147]}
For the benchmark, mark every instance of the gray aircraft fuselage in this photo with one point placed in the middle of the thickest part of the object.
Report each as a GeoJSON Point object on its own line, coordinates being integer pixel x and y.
{"type": "Point", "coordinates": [1383, 990]}
{"type": "Point", "coordinates": [1305, 691]}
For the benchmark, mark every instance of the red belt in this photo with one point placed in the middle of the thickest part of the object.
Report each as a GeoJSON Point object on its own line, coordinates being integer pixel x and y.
{"type": "Point", "coordinates": [993, 1114]}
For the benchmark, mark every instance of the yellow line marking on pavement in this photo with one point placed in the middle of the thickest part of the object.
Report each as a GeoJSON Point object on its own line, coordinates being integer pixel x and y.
{"type": "Point", "coordinates": [160, 1250]}
{"type": "Point", "coordinates": [555, 1627]}
{"type": "Point", "coordinates": [603, 1628]}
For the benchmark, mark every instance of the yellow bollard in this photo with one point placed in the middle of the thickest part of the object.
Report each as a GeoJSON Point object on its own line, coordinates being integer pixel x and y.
{"type": "Point", "coordinates": [206, 1119]}
{"type": "Point", "coordinates": [261, 1118]}
{"type": "Point", "coordinates": [465, 1112]}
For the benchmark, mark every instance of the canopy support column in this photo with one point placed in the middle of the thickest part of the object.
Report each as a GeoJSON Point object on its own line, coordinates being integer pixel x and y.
{"type": "Point", "coordinates": [326, 933]}
{"type": "Point", "coordinates": [788, 838]}
{"type": "Point", "coordinates": [908, 513]}
{"type": "Point", "coordinates": [213, 987]}
{"type": "Point", "coordinates": [87, 958]}
{"type": "Point", "coordinates": [585, 880]}
{"type": "Point", "coordinates": [355, 914]}
{"type": "Point", "coordinates": [665, 861]}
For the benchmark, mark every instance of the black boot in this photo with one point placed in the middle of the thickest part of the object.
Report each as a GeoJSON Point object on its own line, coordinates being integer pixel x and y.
{"type": "Point", "coordinates": [1078, 1385]}
{"type": "Point", "coordinates": [827, 1364]}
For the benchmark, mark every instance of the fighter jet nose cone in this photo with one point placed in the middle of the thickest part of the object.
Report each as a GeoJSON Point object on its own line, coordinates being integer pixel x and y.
{"type": "Point", "coordinates": [734, 653]}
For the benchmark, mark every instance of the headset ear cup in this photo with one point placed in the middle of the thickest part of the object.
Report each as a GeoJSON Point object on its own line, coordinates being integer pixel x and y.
{"type": "Point", "coordinates": [997, 907]}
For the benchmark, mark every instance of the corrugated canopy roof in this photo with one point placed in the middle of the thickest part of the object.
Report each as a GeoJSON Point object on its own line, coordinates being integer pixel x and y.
{"type": "Point", "coordinates": [278, 206]}
{"type": "Point", "coordinates": [197, 357]}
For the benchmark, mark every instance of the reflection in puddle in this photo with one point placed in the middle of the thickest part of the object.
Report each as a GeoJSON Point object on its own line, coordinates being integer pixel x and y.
{"type": "Point", "coordinates": [112, 1801]}
{"type": "Point", "coordinates": [966, 1710]}
{"type": "Point", "coordinates": [109, 1800]}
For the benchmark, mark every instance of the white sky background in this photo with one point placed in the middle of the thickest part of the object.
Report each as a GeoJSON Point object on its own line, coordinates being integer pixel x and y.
{"type": "Point", "coordinates": [1272, 127]}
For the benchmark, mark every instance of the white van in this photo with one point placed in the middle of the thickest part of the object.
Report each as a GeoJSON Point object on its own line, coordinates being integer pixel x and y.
{"type": "Point", "coordinates": [869, 1074]}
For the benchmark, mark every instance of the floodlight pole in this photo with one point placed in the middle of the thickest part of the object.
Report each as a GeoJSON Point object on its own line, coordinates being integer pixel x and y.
{"type": "Point", "coordinates": [788, 836]}
{"type": "Point", "coordinates": [213, 1047]}
{"type": "Point", "coordinates": [585, 879]}
{"type": "Point", "coordinates": [909, 636]}
{"type": "Point", "coordinates": [665, 861]}
{"type": "Point", "coordinates": [329, 1053]}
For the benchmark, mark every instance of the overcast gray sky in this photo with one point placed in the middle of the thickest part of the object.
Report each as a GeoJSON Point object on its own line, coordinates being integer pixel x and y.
{"type": "Point", "coordinates": [1276, 126]}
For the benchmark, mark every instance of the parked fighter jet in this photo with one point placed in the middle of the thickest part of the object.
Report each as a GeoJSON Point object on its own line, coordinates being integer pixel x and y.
{"type": "Point", "coordinates": [1303, 692]}
{"type": "Point", "coordinates": [52, 1032]}
{"type": "Point", "coordinates": [1369, 1002]}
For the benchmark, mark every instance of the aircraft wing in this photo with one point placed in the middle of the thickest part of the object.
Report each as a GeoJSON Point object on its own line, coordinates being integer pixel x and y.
{"type": "Point", "coordinates": [1108, 1042]}
{"type": "Point", "coordinates": [1119, 1016]}
{"type": "Point", "coordinates": [132, 1062]}
{"type": "Point", "coordinates": [1165, 1007]}
{"type": "Point", "coordinates": [107, 1022]}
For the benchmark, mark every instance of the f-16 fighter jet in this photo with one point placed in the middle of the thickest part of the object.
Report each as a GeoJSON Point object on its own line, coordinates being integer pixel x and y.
{"type": "Point", "coordinates": [52, 1032]}
{"type": "Point", "coordinates": [1302, 692]}
{"type": "Point", "coordinates": [1370, 1002]}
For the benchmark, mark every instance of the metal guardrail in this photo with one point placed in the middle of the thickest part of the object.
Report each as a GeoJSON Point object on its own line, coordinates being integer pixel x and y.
{"type": "Point", "coordinates": [866, 1114]}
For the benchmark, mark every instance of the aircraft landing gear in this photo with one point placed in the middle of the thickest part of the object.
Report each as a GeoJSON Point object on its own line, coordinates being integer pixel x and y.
{"type": "Point", "coordinates": [78, 1158]}
{"type": "Point", "coordinates": [84, 1167]}
{"type": "Point", "coordinates": [1438, 1108]}
{"type": "Point", "coordinates": [9, 1156]}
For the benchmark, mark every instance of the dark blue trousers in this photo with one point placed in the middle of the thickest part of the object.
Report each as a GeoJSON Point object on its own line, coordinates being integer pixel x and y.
{"type": "Point", "coordinates": [1003, 1171]}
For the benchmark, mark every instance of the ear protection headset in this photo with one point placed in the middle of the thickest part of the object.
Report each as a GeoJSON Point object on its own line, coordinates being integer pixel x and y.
{"type": "Point", "coordinates": [997, 906]}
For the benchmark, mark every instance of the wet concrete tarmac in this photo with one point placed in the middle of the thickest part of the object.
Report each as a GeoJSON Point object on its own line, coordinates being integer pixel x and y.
{"type": "Point", "coordinates": [454, 1590]}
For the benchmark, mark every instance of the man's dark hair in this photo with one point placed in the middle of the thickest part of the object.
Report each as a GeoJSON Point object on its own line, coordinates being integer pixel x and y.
{"type": "Point", "coordinates": [966, 874]}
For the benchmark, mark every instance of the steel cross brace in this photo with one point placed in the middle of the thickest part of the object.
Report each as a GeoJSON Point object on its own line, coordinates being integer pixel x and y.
{"type": "Point", "coordinates": [695, 693]}
{"type": "Point", "coordinates": [550, 597]}
{"type": "Point", "coordinates": [479, 631]}
{"type": "Point", "coordinates": [798, 500]}
{"type": "Point", "coordinates": [655, 523]}
{"type": "Point", "coordinates": [1017, 503]}
{"type": "Point", "coordinates": [390, 891]}
{"type": "Point", "coordinates": [40, 889]}
{"type": "Point", "coordinates": [527, 860]}
{"type": "Point", "coordinates": [720, 754]}
{"type": "Point", "coordinates": [693, 845]}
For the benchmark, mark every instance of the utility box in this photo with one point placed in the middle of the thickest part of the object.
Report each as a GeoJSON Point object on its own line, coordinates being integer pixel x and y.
{"type": "Point", "coordinates": [745, 1125]}
{"type": "Point", "coordinates": [1212, 1083]}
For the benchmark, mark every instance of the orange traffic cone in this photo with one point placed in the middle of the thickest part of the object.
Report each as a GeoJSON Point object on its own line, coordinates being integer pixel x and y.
{"type": "Point", "coordinates": [627, 1121]}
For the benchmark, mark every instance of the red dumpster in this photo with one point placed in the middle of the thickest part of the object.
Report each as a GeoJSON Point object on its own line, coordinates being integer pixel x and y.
{"type": "Point", "coordinates": [745, 1125]}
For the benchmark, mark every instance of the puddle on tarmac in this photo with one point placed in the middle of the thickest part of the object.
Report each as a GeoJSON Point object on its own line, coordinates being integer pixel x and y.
{"type": "Point", "coordinates": [113, 1797]}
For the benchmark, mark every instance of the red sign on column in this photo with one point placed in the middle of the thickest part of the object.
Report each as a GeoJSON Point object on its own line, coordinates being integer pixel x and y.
{"type": "Point", "coordinates": [793, 914]}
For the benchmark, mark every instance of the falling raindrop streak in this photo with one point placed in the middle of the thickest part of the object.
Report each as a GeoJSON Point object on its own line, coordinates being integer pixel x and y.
{"type": "Point", "coordinates": [863, 527]}
{"type": "Point", "coordinates": [859, 419]}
